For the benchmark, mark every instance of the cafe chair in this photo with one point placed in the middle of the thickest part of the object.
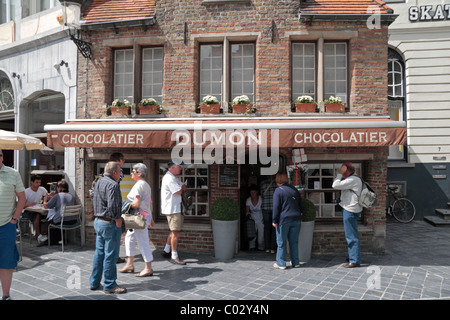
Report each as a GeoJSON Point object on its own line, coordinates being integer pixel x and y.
{"type": "Point", "coordinates": [68, 211]}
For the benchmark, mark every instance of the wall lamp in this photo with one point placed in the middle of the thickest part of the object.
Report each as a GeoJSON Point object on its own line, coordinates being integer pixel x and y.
{"type": "Point", "coordinates": [59, 65]}
{"type": "Point", "coordinates": [15, 75]}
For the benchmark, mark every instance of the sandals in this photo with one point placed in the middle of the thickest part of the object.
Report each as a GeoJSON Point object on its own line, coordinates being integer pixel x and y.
{"type": "Point", "coordinates": [146, 274]}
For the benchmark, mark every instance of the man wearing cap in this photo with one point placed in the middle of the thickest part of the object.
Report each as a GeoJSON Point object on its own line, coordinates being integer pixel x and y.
{"type": "Point", "coordinates": [171, 190]}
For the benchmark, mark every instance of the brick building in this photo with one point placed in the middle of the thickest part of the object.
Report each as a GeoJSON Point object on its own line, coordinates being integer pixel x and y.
{"type": "Point", "coordinates": [178, 52]}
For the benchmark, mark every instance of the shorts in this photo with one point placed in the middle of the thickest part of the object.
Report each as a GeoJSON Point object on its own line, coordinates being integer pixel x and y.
{"type": "Point", "coordinates": [9, 255]}
{"type": "Point", "coordinates": [175, 221]}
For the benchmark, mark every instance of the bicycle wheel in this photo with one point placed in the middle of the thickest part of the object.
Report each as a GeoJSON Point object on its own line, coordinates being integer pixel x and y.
{"type": "Point", "coordinates": [403, 210]}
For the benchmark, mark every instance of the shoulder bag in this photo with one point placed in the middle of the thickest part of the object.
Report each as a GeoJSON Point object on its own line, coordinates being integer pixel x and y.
{"type": "Point", "coordinates": [131, 217]}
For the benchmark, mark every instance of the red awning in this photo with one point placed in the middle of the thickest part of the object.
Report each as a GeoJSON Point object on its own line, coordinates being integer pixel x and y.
{"type": "Point", "coordinates": [167, 133]}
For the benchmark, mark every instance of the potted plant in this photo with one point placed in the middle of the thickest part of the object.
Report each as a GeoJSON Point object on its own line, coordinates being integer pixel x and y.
{"type": "Point", "coordinates": [242, 104]}
{"type": "Point", "coordinates": [334, 104]}
{"type": "Point", "coordinates": [149, 106]}
{"type": "Point", "coordinates": [305, 237]}
{"type": "Point", "coordinates": [305, 104]}
{"type": "Point", "coordinates": [209, 104]}
{"type": "Point", "coordinates": [119, 107]}
{"type": "Point", "coordinates": [225, 219]}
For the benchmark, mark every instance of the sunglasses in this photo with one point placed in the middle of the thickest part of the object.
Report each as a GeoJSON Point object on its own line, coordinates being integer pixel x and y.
{"type": "Point", "coordinates": [1, 155]}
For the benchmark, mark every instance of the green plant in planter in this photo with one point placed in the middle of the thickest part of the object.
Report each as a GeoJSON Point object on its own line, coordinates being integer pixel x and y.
{"type": "Point", "coordinates": [225, 209]}
{"type": "Point", "coordinates": [309, 211]}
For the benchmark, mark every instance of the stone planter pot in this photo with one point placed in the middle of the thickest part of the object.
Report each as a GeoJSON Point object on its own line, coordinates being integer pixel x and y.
{"type": "Point", "coordinates": [334, 107]}
{"type": "Point", "coordinates": [224, 235]}
{"type": "Point", "coordinates": [242, 108]}
{"type": "Point", "coordinates": [305, 240]}
{"type": "Point", "coordinates": [120, 111]}
{"type": "Point", "coordinates": [305, 107]}
{"type": "Point", "coordinates": [148, 109]}
{"type": "Point", "coordinates": [210, 108]}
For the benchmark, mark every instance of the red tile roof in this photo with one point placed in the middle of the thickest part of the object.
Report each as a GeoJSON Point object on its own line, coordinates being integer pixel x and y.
{"type": "Point", "coordinates": [118, 10]}
{"type": "Point", "coordinates": [342, 6]}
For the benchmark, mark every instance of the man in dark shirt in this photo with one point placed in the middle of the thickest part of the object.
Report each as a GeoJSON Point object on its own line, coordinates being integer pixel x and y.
{"type": "Point", "coordinates": [108, 226]}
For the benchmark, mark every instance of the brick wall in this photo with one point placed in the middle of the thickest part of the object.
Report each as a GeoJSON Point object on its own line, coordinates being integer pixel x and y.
{"type": "Point", "coordinates": [367, 56]}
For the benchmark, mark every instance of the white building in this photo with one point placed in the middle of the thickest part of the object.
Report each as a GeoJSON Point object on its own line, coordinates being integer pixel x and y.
{"type": "Point", "coordinates": [419, 92]}
{"type": "Point", "coordinates": [38, 70]}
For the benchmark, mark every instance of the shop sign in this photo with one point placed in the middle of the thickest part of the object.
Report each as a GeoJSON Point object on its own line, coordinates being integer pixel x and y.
{"type": "Point", "coordinates": [204, 139]}
{"type": "Point", "coordinates": [426, 13]}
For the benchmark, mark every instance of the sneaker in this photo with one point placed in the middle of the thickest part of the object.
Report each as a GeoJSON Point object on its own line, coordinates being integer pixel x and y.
{"type": "Point", "coordinates": [117, 290]}
{"type": "Point", "coordinates": [6, 298]}
{"type": "Point", "coordinates": [42, 238]}
{"type": "Point", "coordinates": [275, 265]}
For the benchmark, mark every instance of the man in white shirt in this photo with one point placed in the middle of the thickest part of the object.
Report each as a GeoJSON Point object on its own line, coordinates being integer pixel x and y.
{"type": "Point", "coordinates": [171, 190]}
{"type": "Point", "coordinates": [34, 194]}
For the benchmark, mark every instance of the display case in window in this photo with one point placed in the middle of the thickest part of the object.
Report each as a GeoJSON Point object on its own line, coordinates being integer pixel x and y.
{"type": "Point", "coordinates": [319, 188]}
{"type": "Point", "coordinates": [196, 178]}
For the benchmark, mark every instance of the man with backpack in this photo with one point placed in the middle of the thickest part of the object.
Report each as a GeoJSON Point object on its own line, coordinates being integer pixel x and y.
{"type": "Point", "coordinates": [350, 186]}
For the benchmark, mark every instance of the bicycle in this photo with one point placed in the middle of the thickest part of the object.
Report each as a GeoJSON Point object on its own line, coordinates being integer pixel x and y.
{"type": "Point", "coordinates": [398, 206]}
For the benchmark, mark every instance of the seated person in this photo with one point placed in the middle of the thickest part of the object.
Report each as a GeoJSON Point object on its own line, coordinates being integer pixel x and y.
{"type": "Point", "coordinates": [59, 201]}
{"type": "Point", "coordinates": [34, 194]}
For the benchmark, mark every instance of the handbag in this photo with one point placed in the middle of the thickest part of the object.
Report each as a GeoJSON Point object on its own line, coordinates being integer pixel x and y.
{"type": "Point", "coordinates": [132, 219]}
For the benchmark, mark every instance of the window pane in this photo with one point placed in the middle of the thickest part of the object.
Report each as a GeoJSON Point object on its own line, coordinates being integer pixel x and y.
{"type": "Point", "coordinates": [303, 69]}
{"type": "Point", "coordinates": [123, 75]}
{"type": "Point", "coordinates": [152, 73]}
{"type": "Point", "coordinates": [211, 60]}
{"type": "Point", "coordinates": [242, 70]}
{"type": "Point", "coordinates": [335, 70]}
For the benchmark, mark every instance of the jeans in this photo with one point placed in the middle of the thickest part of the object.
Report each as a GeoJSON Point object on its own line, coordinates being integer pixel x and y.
{"type": "Point", "coordinates": [288, 232]}
{"type": "Point", "coordinates": [270, 242]}
{"type": "Point", "coordinates": [107, 249]}
{"type": "Point", "coordinates": [352, 236]}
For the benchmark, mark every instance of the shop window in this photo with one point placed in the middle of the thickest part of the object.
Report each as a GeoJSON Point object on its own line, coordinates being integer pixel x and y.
{"type": "Point", "coordinates": [47, 109]}
{"type": "Point", "coordinates": [151, 74]}
{"type": "Point", "coordinates": [318, 181]}
{"type": "Point", "coordinates": [214, 66]}
{"type": "Point", "coordinates": [305, 62]}
{"type": "Point", "coordinates": [7, 11]}
{"type": "Point", "coordinates": [126, 184]}
{"type": "Point", "coordinates": [196, 177]}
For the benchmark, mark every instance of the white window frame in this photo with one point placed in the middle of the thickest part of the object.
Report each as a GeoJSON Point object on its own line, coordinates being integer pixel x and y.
{"type": "Point", "coordinates": [155, 73]}
{"type": "Point", "coordinates": [301, 65]}
{"type": "Point", "coordinates": [322, 65]}
{"type": "Point", "coordinates": [125, 68]}
{"type": "Point", "coordinates": [227, 41]}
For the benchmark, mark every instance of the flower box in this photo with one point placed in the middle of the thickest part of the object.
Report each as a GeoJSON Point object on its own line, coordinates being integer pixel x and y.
{"type": "Point", "coordinates": [210, 108]}
{"type": "Point", "coordinates": [334, 107]}
{"type": "Point", "coordinates": [121, 110]}
{"type": "Point", "coordinates": [242, 108]}
{"type": "Point", "coordinates": [305, 107]}
{"type": "Point", "coordinates": [149, 109]}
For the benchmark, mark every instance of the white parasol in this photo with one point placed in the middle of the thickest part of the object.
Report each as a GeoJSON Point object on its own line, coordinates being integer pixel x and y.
{"type": "Point", "coordinates": [10, 140]}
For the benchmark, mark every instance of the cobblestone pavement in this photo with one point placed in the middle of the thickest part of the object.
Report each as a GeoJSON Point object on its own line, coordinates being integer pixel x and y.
{"type": "Point", "coordinates": [416, 265]}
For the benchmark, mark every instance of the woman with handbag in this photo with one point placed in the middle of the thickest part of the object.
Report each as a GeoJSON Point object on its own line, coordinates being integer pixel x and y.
{"type": "Point", "coordinates": [140, 197]}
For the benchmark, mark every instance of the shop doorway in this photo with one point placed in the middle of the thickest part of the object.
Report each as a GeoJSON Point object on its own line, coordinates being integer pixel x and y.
{"type": "Point", "coordinates": [251, 175]}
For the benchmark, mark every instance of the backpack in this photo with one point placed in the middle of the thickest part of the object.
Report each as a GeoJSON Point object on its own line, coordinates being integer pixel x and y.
{"type": "Point", "coordinates": [368, 198]}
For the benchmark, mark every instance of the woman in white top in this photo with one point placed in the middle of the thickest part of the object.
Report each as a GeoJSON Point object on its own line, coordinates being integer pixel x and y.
{"type": "Point", "coordinates": [140, 197]}
{"type": "Point", "coordinates": [253, 208]}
